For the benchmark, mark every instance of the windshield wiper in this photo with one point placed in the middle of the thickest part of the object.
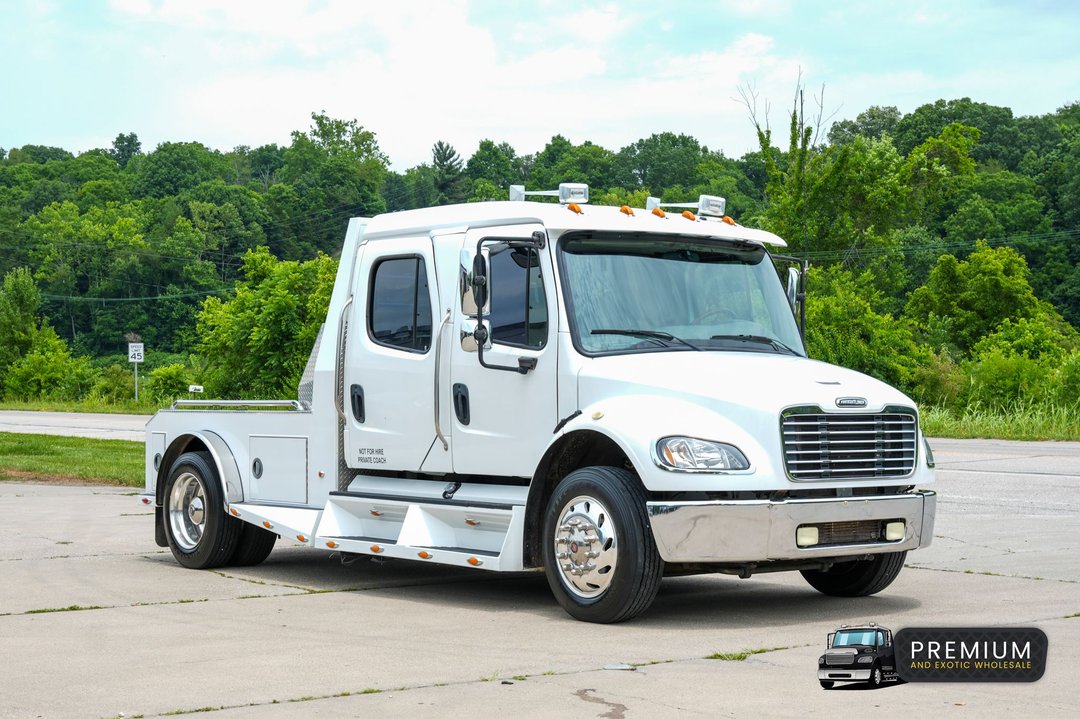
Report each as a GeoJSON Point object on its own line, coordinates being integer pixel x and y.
{"type": "Point", "coordinates": [648, 334]}
{"type": "Point", "coordinates": [759, 339]}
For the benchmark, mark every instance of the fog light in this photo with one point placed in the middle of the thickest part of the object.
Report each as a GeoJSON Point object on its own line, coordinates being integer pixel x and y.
{"type": "Point", "coordinates": [894, 531]}
{"type": "Point", "coordinates": [806, 536]}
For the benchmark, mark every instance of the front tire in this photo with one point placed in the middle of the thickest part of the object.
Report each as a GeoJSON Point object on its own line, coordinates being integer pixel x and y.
{"type": "Point", "coordinates": [859, 578]}
{"type": "Point", "coordinates": [825, 684]}
{"type": "Point", "coordinates": [876, 677]}
{"type": "Point", "coordinates": [199, 532]}
{"type": "Point", "coordinates": [600, 558]}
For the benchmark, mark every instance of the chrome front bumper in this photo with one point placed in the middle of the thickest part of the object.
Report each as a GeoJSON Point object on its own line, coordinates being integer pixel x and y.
{"type": "Point", "coordinates": [764, 530]}
{"type": "Point", "coordinates": [843, 675]}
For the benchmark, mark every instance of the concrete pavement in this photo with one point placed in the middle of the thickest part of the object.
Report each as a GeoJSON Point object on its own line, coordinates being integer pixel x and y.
{"type": "Point", "coordinates": [305, 635]}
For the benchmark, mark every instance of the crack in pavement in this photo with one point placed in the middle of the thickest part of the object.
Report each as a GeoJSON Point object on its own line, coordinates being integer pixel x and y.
{"type": "Point", "coordinates": [993, 574]}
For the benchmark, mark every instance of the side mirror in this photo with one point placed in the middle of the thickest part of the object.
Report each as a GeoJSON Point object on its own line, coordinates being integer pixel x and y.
{"type": "Point", "coordinates": [793, 286]}
{"type": "Point", "coordinates": [479, 280]}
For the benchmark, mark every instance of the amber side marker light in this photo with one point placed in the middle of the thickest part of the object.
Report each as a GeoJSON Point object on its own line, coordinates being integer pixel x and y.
{"type": "Point", "coordinates": [268, 525]}
{"type": "Point", "coordinates": [301, 537]}
{"type": "Point", "coordinates": [332, 545]}
{"type": "Point", "coordinates": [234, 513]}
{"type": "Point", "coordinates": [376, 548]}
{"type": "Point", "coordinates": [424, 555]}
{"type": "Point", "coordinates": [474, 561]}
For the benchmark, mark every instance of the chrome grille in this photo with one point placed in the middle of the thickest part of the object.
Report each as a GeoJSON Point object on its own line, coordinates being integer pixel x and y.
{"type": "Point", "coordinates": [840, 658]}
{"type": "Point", "coordinates": [848, 446]}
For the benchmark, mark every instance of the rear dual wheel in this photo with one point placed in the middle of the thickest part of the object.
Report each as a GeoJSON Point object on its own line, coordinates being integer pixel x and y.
{"type": "Point", "coordinates": [199, 532]}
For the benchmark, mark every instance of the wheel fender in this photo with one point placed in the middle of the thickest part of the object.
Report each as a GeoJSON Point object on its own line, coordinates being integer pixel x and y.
{"type": "Point", "coordinates": [636, 422]}
{"type": "Point", "coordinates": [232, 487]}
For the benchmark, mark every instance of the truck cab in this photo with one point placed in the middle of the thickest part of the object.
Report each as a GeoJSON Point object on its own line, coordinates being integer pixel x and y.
{"type": "Point", "coordinates": [607, 394]}
{"type": "Point", "coordinates": [861, 653]}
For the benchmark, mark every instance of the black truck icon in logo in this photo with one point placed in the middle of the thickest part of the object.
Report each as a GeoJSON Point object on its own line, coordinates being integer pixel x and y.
{"type": "Point", "coordinates": [862, 653]}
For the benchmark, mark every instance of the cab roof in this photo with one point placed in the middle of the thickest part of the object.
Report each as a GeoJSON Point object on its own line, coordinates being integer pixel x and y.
{"type": "Point", "coordinates": [557, 219]}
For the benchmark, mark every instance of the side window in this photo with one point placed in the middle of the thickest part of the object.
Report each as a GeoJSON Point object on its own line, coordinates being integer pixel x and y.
{"type": "Point", "coordinates": [399, 314]}
{"type": "Point", "coordinates": [518, 304]}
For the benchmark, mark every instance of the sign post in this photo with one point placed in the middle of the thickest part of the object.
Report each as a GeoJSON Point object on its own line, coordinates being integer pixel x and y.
{"type": "Point", "coordinates": [135, 356]}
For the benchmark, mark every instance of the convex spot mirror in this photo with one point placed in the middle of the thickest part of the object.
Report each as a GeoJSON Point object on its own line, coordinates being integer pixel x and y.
{"type": "Point", "coordinates": [479, 281]}
{"type": "Point", "coordinates": [792, 285]}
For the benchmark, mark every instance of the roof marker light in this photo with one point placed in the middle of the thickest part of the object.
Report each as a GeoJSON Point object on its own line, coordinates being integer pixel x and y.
{"type": "Point", "coordinates": [575, 208]}
{"type": "Point", "coordinates": [689, 215]}
{"type": "Point", "coordinates": [568, 192]}
{"type": "Point", "coordinates": [707, 205]}
{"type": "Point", "coordinates": [627, 210]}
{"type": "Point", "coordinates": [658, 212]}
{"type": "Point", "coordinates": [728, 220]}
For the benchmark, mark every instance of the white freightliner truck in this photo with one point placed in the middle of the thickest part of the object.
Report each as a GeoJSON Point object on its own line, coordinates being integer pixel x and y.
{"type": "Point", "coordinates": [607, 393]}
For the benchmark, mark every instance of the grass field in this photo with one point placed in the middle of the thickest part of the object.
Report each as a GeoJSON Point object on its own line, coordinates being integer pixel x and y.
{"type": "Point", "coordinates": [48, 457]}
{"type": "Point", "coordinates": [1031, 422]}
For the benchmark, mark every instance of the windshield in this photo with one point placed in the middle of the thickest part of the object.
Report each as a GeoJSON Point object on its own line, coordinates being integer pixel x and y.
{"type": "Point", "coordinates": [639, 292]}
{"type": "Point", "coordinates": [848, 639]}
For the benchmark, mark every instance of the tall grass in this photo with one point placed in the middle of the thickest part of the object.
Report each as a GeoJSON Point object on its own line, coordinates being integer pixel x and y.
{"type": "Point", "coordinates": [45, 457]}
{"type": "Point", "coordinates": [98, 406]}
{"type": "Point", "coordinates": [1025, 421]}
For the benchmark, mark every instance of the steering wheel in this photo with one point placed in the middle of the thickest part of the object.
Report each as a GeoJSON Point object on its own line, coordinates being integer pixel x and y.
{"type": "Point", "coordinates": [722, 314]}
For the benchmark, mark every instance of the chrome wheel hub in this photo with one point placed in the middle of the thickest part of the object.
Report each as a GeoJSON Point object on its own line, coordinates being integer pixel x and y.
{"type": "Point", "coordinates": [187, 511]}
{"type": "Point", "coordinates": [586, 548]}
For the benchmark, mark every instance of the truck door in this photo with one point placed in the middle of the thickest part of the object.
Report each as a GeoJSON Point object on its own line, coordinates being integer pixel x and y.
{"type": "Point", "coordinates": [390, 357]}
{"type": "Point", "coordinates": [502, 420]}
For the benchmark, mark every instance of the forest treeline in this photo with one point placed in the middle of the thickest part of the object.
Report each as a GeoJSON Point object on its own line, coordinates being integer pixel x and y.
{"type": "Point", "coordinates": [945, 245]}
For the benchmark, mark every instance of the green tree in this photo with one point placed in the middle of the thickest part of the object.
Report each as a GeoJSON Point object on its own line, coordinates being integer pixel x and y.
{"type": "Point", "coordinates": [449, 174]}
{"type": "Point", "coordinates": [257, 343]}
{"type": "Point", "coordinates": [20, 301]}
{"type": "Point", "coordinates": [976, 294]}
{"type": "Point", "coordinates": [874, 123]}
{"type": "Point", "coordinates": [125, 147]}
{"type": "Point", "coordinates": [498, 164]}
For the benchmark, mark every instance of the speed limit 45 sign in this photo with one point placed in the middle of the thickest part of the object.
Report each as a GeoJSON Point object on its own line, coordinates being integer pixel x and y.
{"type": "Point", "coordinates": [135, 351]}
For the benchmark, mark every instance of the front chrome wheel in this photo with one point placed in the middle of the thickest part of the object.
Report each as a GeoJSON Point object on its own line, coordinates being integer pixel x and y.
{"type": "Point", "coordinates": [586, 547]}
{"type": "Point", "coordinates": [187, 511]}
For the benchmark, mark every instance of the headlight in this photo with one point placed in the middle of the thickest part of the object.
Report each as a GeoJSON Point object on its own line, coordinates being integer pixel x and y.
{"type": "Point", "coordinates": [821, 660]}
{"type": "Point", "coordinates": [866, 659]}
{"type": "Point", "coordinates": [687, 453]}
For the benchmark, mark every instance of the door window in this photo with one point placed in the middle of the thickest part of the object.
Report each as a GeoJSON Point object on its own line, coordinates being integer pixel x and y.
{"type": "Point", "coordinates": [518, 304]}
{"type": "Point", "coordinates": [399, 313]}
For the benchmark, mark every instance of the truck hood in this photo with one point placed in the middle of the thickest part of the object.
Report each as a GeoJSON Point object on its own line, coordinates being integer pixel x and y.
{"type": "Point", "coordinates": [754, 382]}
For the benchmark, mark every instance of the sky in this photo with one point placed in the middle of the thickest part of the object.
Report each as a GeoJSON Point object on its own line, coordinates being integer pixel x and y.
{"type": "Point", "coordinates": [249, 72]}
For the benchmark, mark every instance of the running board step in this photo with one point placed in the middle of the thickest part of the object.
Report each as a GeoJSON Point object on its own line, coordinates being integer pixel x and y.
{"type": "Point", "coordinates": [289, 522]}
{"type": "Point", "coordinates": [484, 535]}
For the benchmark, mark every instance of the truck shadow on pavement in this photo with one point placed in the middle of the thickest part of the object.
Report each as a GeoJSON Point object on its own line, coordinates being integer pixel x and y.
{"type": "Point", "coordinates": [681, 602]}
